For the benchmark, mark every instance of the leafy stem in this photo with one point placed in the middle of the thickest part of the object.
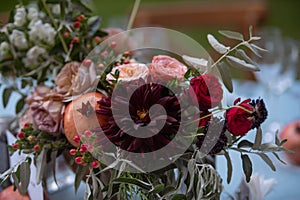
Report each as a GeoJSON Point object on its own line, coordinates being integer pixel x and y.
{"type": "Point", "coordinates": [55, 26]}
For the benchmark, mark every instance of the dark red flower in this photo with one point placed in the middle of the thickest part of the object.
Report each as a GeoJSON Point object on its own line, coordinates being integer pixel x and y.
{"type": "Point", "coordinates": [240, 118]}
{"type": "Point", "coordinates": [208, 91]}
{"type": "Point", "coordinates": [140, 116]}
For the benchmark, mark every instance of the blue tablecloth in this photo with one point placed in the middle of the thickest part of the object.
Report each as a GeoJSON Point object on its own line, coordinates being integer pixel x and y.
{"type": "Point", "coordinates": [282, 109]}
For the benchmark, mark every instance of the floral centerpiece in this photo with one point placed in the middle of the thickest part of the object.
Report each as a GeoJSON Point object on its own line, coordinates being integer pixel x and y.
{"type": "Point", "coordinates": [137, 118]}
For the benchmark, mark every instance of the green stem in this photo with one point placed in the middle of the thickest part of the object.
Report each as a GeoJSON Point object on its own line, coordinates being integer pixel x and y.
{"type": "Point", "coordinates": [55, 26]}
{"type": "Point", "coordinates": [133, 13]}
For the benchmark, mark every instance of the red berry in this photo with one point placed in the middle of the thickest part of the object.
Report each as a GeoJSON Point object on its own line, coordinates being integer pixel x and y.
{"type": "Point", "coordinates": [66, 35]}
{"type": "Point", "coordinates": [78, 160]}
{"type": "Point", "coordinates": [75, 40]}
{"type": "Point", "coordinates": [95, 164]}
{"type": "Point", "coordinates": [37, 147]}
{"type": "Point", "coordinates": [15, 146]}
{"type": "Point", "coordinates": [113, 44]}
{"type": "Point", "coordinates": [72, 152]}
{"type": "Point", "coordinates": [88, 133]}
{"type": "Point", "coordinates": [97, 39]}
{"type": "Point", "coordinates": [81, 17]}
{"type": "Point", "coordinates": [126, 53]}
{"type": "Point", "coordinates": [87, 62]}
{"type": "Point", "coordinates": [126, 61]}
{"type": "Point", "coordinates": [76, 139]}
{"type": "Point", "coordinates": [27, 125]}
{"type": "Point", "coordinates": [21, 135]}
{"type": "Point", "coordinates": [83, 149]}
{"type": "Point", "coordinates": [77, 24]}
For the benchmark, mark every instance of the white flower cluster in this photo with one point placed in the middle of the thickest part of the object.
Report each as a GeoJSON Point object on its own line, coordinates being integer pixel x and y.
{"type": "Point", "coordinates": [33, 45]}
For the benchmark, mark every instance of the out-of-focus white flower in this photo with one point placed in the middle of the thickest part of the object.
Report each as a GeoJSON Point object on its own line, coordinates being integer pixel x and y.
{"type": "Point", "coordinates": [20, 17]}
{"type": "Point", "coordinates": [56, 9]}
{"type": "Point", "coordinates": [34, 56]}
{"type": "Point", "coordinates": [33, 13]}
{"type": "Point", "coordinates": [18, 39]}
{"type": "Point", "coordinates": [256, 189]}
{"type": "Point", "coordinates": [41, 33]}
{"type": "Point", "coordinates": [4, 48]}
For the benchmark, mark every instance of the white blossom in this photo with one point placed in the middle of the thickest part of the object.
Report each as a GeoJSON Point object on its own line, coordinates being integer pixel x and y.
{"type": "Point", "coordinates": [41, 33]}
{"type": "Point", "coordinates": [56, 9]}
{"type": "Point", "coordinates": [20, 17]}
{"type": "Point", "coordinates": [35, 56]}
{"type": "Point", "coordinates": [18, 39]}
{"type": "Point", "coordinates": [33, 13]}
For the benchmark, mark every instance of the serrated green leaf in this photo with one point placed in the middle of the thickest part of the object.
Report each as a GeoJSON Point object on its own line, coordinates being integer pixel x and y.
{"type": "Point", "coordinates": [20, 105]}
{"type": "Point", "coordinates": [24, 177]}
{"type": "Point", "coordinates": [179, 197]}
{"type": "Point", "coordinates": [267, 160]}
{"type": "Point", "coordinates": [232, 35]}
{"type": "Point", "coordinates": [229, 167]}
{"type": "Point", "coordinates": [247, 166]}
{"type": "Point", "coordinates": [6, 96]}
{"type": "Point", "coordinates": [133, 181]}
{"type": "Point", "coordinates": [245, 143]}
{"type": "Point", "coordinates": [220, 48]}
{"type": "Point", "coordinates": [226, 76]}
{"type": "Point", "coordinates": [241, 64]}
{"type": "Point", "coordinates": [258, 139]}
{"type": "Point", "coordinates": [278, 158]}
{"type": "Point", "coordinates": [80, 173]}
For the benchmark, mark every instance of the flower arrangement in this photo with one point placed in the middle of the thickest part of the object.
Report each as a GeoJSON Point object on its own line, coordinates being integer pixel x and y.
{"type": "Point", "coordinates": [136, 123]}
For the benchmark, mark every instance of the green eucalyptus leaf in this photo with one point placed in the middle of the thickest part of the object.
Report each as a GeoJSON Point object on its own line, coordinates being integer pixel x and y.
{"type": "Point", "coordinates": [78, 5]}
{"type": "Point", "coordinates": [247, 166]}
{"type": "Point", "coordinates": [229, 167]}
{"type": "Point", "coordinates": [179, 197]}
{"type": "Point", "coordinates": [80, 173]}
{"type": "Point", "coordinates": [16, 181]}
{"type": "Point", "coordinates": [94, 24]}
{"type": "Point", "coordinates": [6, 96]}
{"type": "Point", "coordinates": [254, 50]}
{"type": "Point", "coordinates": [20, 105]}
{"type": "Point", "coordinates": [278, 158]}
{"type": "Point", "coordinates": [282, 142]}
{"type": "Point", "coordinates": [277, 140]}
{"type": "Point", "coordinates": [250, 31]}
{"type": "Point", "coordinates": [243, 55]}
{"type": "Point", "coordinates": [191, 170]}
{"type": "Point", "coordinates": [255, 38]}
{"type": "Point", "coordinates": [40, 164]}
{"type": "Point", "coordinates": [232, 35]}
{"type": "Point", "coordinates": [220, 48]}
{"type": "Point", "coordinates": [258, 139]}
{"type": "Point", "coordinates": [53, 159]}
{"type": "Point", "coordinates": [157, 189]}
{"type": "Point", "coordinates": [241, 64]}
{"type": "Point", "coordinates": [87, 192]}
{"type": "Point", "coordinates": [267, 160]}
{"type": "Point", "coordinates": [200, 64]}
{"type": "Point", "coordinates": [226, 76]}
{"type": "Point", "coordinates": [24, 177]}
{"type": "Point", "coordinates": [245, 143]}
{"type": "Point", "coordinates": [258, 48]}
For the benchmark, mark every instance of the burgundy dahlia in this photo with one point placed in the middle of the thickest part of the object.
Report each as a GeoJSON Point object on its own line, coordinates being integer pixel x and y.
{"type": "Point", "coordinates": [156, 126]}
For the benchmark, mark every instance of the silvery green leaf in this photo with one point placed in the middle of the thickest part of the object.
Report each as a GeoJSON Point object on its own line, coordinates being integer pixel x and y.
{"type": "Point", "coordinates": [229, 167]}
{"type": "Point", "coordinates": [278, 158]}
{"type": "Point", "coordinates": [241, 64]}
{"type": "Point", "coordinates": [255, 51]}
{"type": "Point", "coordinates": [250, 31]}
{"type": "Point", "coordinates": [24, 177]}
{"type": "Point", "coordinates": [242, 54]}
{"type": "Point", "coordinates": [226, 76]}
{"type": "Point", "coordinates": [258, 48]}
{"type": "Point", "coordinates": [267, 160]}
{"type": "Point", "coordinates": [200, 64]}
{"type": "Point", "coordinates": [134, 181]}
{"type": "Point", "coordinates": [232, 35]}
{"type": "Point", "coordinates": [40, 165]}
{"type": "Point", "coordinates": [6, 95]}
{"type": "Point", "coordinates": [220, 48]}
{"type": "Point", "coordinates": [16, 180]}
{"type": "Point", "coordinates": [179, 197]}
{"type": "Point", "coordinates": [53, 159]}
{"type": "Point", "coordinates": [157, 189]}
{"type": "Point", "coordinates": [277, 140]}
{"type": "Point", "coordinates": [121, 169]}
{"type": "Point", "coordinates": [130, 163]}
{"type": "Point", "coordinates": [245, 143]}
{"type": "Point", "coordinates": [87, 191]}
{"type": "Point", "coordinates": [247, 166]}
{"type": "Point", "coordinates": [191, 169]}
{"type": "Point", "coordinates": [80, 173]}
{"type": "Point", "coordinates": [6, 173]}
{"type": "Point", "coordinates": [255, 38]}
{"type": "Point", "coordinates": [258, 139]}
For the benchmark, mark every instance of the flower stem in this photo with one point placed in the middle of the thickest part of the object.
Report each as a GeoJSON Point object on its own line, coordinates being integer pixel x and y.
{"type": "Point", "coordinates": [133, 13]}
{"type": "Point", "coordinates": [55, 26]}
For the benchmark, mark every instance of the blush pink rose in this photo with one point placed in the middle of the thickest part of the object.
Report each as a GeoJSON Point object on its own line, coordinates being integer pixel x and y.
{"type": "Point", "coordinates": [165, 68]}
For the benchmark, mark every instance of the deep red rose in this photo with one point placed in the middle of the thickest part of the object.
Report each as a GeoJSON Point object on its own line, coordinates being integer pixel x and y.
{"type": "Point", "coordinates": [239, 121]}
{"type": "Point", "coordinates": [208, 91]}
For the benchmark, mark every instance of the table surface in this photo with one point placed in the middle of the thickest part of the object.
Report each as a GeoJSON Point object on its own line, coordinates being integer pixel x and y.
{"type": "Point", "coordinates": [283, 109]}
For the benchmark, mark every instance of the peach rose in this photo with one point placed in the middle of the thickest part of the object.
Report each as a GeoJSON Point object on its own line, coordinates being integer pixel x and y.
{"type": "Point", "coordinates": [165, 68]}
{"type": "Point", "coordinates": [130, 72]}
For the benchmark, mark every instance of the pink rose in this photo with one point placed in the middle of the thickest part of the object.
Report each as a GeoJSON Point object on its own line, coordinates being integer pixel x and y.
{"type": "Point", "coordinates": [130, 72]}
{"type": "Point", "coordinates": [164, 68]}
{"type": "Point", "coordinates": [46, 108]}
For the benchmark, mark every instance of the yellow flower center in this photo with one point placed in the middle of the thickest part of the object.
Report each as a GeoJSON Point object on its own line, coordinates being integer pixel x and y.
{"type": "Point", "coordinates": [142, 113]}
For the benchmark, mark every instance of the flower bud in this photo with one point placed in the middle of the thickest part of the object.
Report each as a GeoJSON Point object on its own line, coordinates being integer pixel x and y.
{"type": "Point", "coordinates": [37, 147]}
{"type": "Point", "coordinates": [76, 139]}
{"type": "Point", "coordinates": [15, 146]}
{"type": "Point", "coordinates": [83, 149]}
{"type": "Point", "coordinates": [72, 152]}
{"type": "Point", "coordinates": [76, 24]}
{"type": "Point", "coordinates": [75, 40]}
{"type": "Point", "coordinates": [78, 160]}
{"type": "Point", "coordinates": [21, 135]}
{"type": "Point", "coordinates": [95, 164]}
{"type": "Point", "coordinates": [26, 125]}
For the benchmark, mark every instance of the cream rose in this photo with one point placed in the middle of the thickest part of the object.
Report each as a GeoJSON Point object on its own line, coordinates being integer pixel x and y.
{"type": "Point", "coordinates": [20, 17]}
{"type": "Point", "coordinates": [18, 39]}
{"type": "Point", "coordinates": [165, 68]}
{"type": "Point", "coordinates": [130, 72]}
